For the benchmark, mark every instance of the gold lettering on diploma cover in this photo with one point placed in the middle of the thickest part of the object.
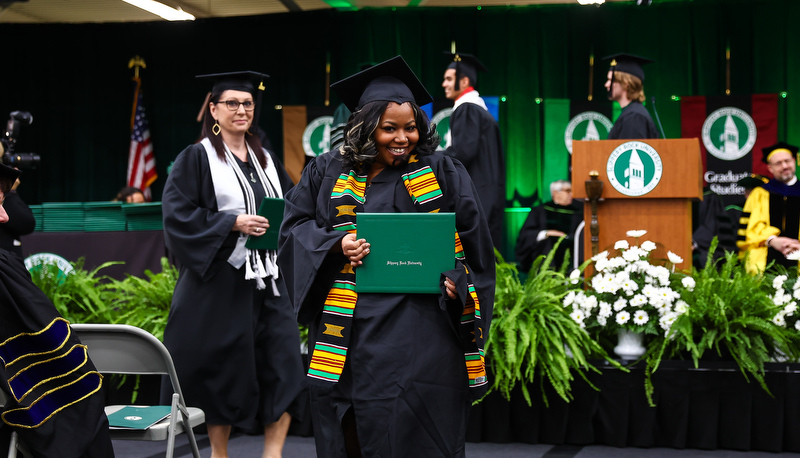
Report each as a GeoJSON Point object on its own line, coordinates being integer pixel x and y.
{"type": "Point", "coordinates": [333, 330]}
{"type": "Point", "coordinates": [346, 210]}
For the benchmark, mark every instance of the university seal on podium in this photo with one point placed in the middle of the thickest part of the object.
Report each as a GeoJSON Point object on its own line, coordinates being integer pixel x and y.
{"type": "Point", "coordinates": [634, 168]}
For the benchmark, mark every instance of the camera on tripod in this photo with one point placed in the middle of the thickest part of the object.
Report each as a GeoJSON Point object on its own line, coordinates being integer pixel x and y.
{"type": "Point", "coordinates": [16, 120]}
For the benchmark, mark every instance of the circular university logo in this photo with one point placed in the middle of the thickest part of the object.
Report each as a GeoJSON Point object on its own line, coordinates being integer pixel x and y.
{"type": "Point", "coordinates": [634, 168]}
{"type": "Point", "coordinates": [36, 262]}
{"type": "Point", "coordinates": [589, 125]}
{"type": "Point", "coordinates": [317, 136]}
{"type": "Point", "coordinates": [442, 121]}
{"type": "Point", "coordinates": [729, 133]}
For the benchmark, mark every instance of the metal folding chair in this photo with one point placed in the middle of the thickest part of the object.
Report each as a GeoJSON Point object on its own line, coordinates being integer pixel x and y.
{"type": "Point", "coordinates": [124, 349]}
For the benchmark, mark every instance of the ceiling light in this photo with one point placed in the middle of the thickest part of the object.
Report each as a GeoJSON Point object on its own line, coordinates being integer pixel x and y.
{"type": "Point", "coordinates": [591, 2]}
{"type": "Point", "coordinates": [167, 12]}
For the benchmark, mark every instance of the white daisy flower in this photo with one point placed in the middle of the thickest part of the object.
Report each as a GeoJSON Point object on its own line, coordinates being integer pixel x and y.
{"type": "Point", "coordinates": [605, 310]}
{"type": "Point", "coordinates": [793, 256]}
{"type": "Point", "coordinates": [797, 325]}
{"type": "Point", "coordinates": [688, 283]}
{"type": "Point", "coordinates": [648, 246]}
{"type": "Point", "coordinates": [578, 316]}
{"type": "Point", "coordinates": [620, 304]}
{"type": "Point", "coordinates": [575, 276]}
{"type": "Point", "coordinates": [640, 317]}
{"type": "Point", "coordinates": [681, 307]}
{"type": "Point", "coordinates": [639, 300]}
{"type": "Point", "coordinates": [666, 321]}
{"type": "Point", "coordinates": [636, 234]}
{"type": "Point", "coordinates": [777, 282]}
{"type": "Point", "coordinates": [600, 256]}
{"type": "Point", "coordinates": [569, 298]}
{"type": "Point", "coordinates": [779, 320]}
{"type": "Point", "coordinates": [621, 245]}
{"type": "Point", "coordinates": [674, 258]}
{"type": "Point", "coordinates": [623, 317]}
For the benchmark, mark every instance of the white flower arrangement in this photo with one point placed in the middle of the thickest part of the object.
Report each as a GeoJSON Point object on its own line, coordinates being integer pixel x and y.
{"type": "Point", "coordinates": [786, 296]}
{"type": "Point", "coordinates": [628, 291]}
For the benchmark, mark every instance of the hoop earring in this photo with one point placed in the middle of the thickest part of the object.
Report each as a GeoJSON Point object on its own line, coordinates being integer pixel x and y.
{"type": "Point", "coordinates": [216, 129]}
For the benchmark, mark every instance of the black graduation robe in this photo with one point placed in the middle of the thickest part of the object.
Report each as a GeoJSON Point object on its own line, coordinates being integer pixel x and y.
{"type": "Point", "coordinates": [633, 123]}
{"type": "Point", "coordinates": [549, 215]}
{"type": "Point", "coordinates": [476, 143]}
{"type": "Point", "coordinates": [62, 380]}
{"type": "Point", "coordinates": [236, 348]}
{"type": "Point", "coordinates": [404, 375]}
{"type": "Point", "coordinates": [20, 222]}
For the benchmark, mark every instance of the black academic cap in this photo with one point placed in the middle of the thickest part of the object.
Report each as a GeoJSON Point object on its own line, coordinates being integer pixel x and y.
{"type": "Point", "coordinates": [390, 81]}
{"type": "Point", "coordinates": [239, 81]}
{"type": "Point", "coordinates": [780, 146]}
{"type": "Point", "coordinates": [246, 81]}
{"type": "Point", "coordinates": [466, 65]}
{"type": "Point", "coordinates": [752, 181]}
{"type": "Point", "coordinates": [628, 63]}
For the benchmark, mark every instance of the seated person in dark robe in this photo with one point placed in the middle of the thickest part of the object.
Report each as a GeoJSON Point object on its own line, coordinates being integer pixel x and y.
{"type": "Point", "coordinates": [55, 402]}
{"type": "Point", "coordinates": [546, 224]}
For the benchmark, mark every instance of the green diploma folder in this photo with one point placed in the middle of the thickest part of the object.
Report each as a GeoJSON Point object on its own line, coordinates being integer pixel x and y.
{"type": "Point", "coordinates": [272, 209]}
{"type": "Point", "coordinates": [408, 251]}
{"type": "Point", "coordinates": [130, 417]}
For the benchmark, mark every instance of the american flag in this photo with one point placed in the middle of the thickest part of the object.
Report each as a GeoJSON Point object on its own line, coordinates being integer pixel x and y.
{"type": "Point", "coordinates": [141, 160]}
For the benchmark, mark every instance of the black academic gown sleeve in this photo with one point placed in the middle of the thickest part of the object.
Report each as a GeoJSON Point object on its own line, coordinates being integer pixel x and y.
{"type": "Point", "coordinates": [79, 429]}
{"type": "Point", "coordinates": [194, 231]}
{"type": "Point", "coordinates": [305, 242]}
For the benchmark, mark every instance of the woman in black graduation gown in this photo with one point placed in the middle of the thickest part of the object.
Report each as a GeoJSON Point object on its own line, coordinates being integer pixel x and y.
{"type": "Point", "coordinates": [230, 330]}
{"type": "Point", "coordinates": [392, 374]}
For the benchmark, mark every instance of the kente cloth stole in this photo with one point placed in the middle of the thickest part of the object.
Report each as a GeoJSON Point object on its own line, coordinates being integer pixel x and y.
{"type": "Point", "coordinates": [333, 336]}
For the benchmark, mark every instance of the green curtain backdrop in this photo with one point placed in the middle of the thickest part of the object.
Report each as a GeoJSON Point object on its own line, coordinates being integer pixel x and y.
{"type": "Point", "coordinates": [75, 81]}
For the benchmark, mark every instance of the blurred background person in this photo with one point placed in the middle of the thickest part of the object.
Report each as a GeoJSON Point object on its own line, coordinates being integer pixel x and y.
{"type": "Point", "coordinates": [230, 329]}
{"type": "Point", "coordinates": [546, 224]}
{"type": "Point", "coordinates": [130, 195]}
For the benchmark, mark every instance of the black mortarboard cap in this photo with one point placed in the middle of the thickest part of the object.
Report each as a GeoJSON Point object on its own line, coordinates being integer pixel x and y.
{"type": "Point", "coordinates": [768, 151]}
{"type": "Point", "coordinates": [465, 65]}
{"type": "Point", "coordinates": [390, 81]}
{"type": "Point", "coordinates": [628, 63]}
{"type": "Point", "coordinates": [246, 81]}
{"type": "Point", "coordinates": [752, 181]}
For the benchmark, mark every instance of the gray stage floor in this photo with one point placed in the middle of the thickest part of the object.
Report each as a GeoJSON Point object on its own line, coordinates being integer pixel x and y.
{"type": "Point", "coordinates": [303, 447]}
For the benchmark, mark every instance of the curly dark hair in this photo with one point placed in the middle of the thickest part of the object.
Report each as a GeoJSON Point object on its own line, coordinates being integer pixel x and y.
{"type": "Point", "coordinates": [359, 138]}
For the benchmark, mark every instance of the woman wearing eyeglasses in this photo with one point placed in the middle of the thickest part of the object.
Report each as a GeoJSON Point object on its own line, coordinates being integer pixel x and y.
{"type": "Point", "coordinates": [230, 330]}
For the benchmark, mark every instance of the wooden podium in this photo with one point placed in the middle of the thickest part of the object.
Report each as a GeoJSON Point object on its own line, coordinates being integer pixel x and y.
{"type": "Point", "coordinates": [651, 189]}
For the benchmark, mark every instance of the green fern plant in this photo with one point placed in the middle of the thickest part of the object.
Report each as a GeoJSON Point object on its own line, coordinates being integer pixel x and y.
{"type": "Point", "coordinates": [532, 331]}
{"type": "Point", "coordinates": [145, 302]}
{"type": "Point", "coordinates": [81, 296]}
{"type": "Point", "coordinates": [730, 311]}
